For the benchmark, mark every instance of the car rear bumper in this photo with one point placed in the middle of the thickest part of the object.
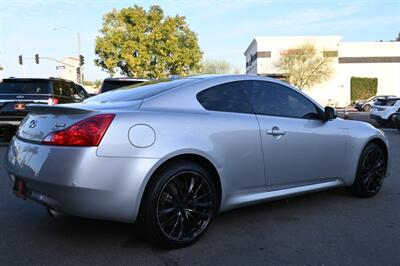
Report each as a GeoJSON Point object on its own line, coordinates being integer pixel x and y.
{"type": "Point", "coordinates": [76, 181]}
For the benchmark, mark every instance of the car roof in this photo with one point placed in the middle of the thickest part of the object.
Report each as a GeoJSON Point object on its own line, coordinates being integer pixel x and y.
{"type": "Point", "coordinates": [35, 79]}
{"type": "Point", "coordinates": [126, 79]}
{"type": "Point", "coordinates": [390, 99]}
{"type": "Point", "coordinates": [181, 97]}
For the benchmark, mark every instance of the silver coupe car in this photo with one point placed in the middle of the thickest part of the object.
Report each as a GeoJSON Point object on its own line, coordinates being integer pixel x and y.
{"type": "Point", "coordinates": [172, 154]}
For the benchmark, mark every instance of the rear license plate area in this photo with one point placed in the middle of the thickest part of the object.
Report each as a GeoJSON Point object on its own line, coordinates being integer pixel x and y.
{"type": "Point", "coordinates": [19, 106]}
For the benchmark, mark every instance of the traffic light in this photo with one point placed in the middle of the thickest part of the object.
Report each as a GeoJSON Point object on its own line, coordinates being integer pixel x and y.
{"type": "Point", "coordinates": [78, 74]}
{"type": "Point", "coordinates": [20, 60]}
{"type": "Point", "coordinates": [81, 60]}
{"type": "Point", "coordinates": [37, 58]}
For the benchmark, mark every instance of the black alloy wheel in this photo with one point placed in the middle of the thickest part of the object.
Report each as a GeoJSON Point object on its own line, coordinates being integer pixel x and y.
{"type": "Point", "coordinates": [184, 206]}
{"type": "Point", "coordinates": [179, 204]}
{"type": "Point", "coordinates": [371, 171]}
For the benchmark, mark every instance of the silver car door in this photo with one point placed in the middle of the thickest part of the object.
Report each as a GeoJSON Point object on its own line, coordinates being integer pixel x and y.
{"type": "Point", "coordinates": [299, 147]}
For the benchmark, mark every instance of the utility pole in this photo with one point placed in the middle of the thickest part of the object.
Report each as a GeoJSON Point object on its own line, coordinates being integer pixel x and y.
{"type": "Point", "coordinates": [79, 72]}
{"type": "Point", "coordinates": [78, 41]}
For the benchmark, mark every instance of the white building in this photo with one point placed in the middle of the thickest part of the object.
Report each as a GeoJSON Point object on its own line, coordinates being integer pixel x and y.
{"type": "Point", "coordinates": [68, 68]}
{"type": "Point", "coordinates": [379, 60]}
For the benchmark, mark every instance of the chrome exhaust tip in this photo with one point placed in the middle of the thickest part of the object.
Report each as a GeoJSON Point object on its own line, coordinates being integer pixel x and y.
{"type": "Point", "coordinates": [53, 213]}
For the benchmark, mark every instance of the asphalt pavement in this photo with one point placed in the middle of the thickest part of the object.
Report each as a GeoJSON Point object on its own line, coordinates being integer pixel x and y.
{"type": "Point", "coordinates": [325, 228]}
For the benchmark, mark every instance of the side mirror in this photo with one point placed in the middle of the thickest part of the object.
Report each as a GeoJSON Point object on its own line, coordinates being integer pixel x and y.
{"type": "Point", "coordinates": [330, 113]}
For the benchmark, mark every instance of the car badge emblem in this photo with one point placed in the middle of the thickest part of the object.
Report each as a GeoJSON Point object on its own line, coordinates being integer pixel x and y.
{"type": "Point", "coordinates": [20, 96]}
{"type": "Point", "coordinates": [60, 125]}
{"type": "Point", "coordinates": [33, 123]}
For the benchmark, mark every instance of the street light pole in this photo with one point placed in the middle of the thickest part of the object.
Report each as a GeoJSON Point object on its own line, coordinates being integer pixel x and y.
{"type": "Point", "coordinates": [78, 40]}
{"type": "Point", "coordinates": [78, 36]}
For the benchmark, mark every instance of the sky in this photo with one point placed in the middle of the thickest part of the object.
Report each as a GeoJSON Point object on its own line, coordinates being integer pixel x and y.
{"type": "Point", "coordinates": [224, 28]}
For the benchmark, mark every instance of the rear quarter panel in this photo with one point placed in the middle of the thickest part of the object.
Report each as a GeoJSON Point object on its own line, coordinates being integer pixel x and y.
{"type": "Point", "coordinates": [231, 142]}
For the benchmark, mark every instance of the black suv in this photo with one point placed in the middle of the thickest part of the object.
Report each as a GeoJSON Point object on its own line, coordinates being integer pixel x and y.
{"type": "Point", "coordinates": [116, 83]}
{"type": "Point", "coordinates": [15, 93]}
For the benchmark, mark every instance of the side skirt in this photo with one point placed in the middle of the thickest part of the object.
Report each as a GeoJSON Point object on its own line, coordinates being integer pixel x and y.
{"type": "Point", "coordinates": [254, 197]}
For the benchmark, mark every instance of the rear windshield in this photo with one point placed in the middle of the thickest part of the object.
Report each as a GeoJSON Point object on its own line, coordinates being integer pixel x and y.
{"type": "Point", "coordinates": [25, 86]}
{"type": "Point", "coordinates": [139, 91]}
{"type": "Point", "coordinates": [386, 102]}
{"type": "Point", "coordinates": [109, 85]}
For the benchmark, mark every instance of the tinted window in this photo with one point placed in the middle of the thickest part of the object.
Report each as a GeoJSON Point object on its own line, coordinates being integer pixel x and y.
{"type": "Point", "coordinates": [24, 86]}
{"type": "Point", "coordinates": [80, 92]}
{"type": "Point", "coordinates": [109, 85]}
{"type": "Point", "coordinates": [139, 91]}
{"type": "Point", "coordinates": [268, 98]}
{"type": "Point", "coordinates": [228, 97]}
{"type": "Point", "coordinates": [385, 102]}
{"type": "Point", "coordinates": [62, 88]}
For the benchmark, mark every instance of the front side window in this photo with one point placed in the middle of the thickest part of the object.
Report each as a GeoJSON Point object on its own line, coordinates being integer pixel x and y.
{"type": "Point", "coordinates": [228, 97]}
{"type": "Point", "coordinates": [269, 98]}
{"type": "Point", "coordinates": [80, 92]}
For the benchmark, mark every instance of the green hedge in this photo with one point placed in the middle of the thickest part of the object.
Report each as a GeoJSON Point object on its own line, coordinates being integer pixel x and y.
{"type": "Point", "coordinates": [363, 88]}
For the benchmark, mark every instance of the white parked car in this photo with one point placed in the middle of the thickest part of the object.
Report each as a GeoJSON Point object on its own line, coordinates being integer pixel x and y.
{"type": "Point", "coordinates": [366, 105]}
{"type": "Point", "coordinates": [383, 110]}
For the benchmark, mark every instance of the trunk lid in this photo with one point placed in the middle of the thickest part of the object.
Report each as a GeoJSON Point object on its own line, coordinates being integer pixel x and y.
{"type": "Point", "coordinates": [44, 119]}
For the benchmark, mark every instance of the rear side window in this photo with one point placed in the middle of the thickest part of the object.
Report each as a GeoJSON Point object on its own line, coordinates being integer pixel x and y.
{"type": "Point", "coordinates": [228, 97]}
{"type": "Point", "coordinates": [268, 98]}
{"type": "Point", "coordinates": [63, 88]}
{"type": "Point", "coordinates": [386, 102]}
{"type": "Point", "coordinates": [25, 86]}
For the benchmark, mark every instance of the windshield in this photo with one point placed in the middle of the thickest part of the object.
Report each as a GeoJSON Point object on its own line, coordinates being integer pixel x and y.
{"type": "Point", "coordinates": [25, 87]}
{"type": "Point", "coordinates": [109, 85]}
{"type": "Point", "coordinates": [139, 91]}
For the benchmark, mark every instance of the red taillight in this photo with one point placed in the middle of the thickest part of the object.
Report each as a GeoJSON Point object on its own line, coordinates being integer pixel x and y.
{"type": "Point", "coordinates": [52, 101]}
{"type": "Point", "coordinates": [87, 132]}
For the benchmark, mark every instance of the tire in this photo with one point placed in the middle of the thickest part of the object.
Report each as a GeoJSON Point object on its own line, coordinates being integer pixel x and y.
{"type": "Point", "coordinates": [390, 123]}
{"type": "Point", "coordinates": [179, 204]}
{"type": "Point", "coordinates": [381, 123]}
{"type": "Point", "coordinates": [370, 172]}
{"type": "Point", "coordinates": [367, 108]}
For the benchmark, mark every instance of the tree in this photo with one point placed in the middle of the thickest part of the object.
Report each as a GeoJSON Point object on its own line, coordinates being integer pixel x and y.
{"type": "Point", "coordinates": [140, 43]}
{"type": "Point", "coordinates": [87, 83]}
{"type": "Point", "coordinates": [208, 66]}
{"type": "Point", "coordinates": [397, 38]}
{"type": "Point", "coordinates": [97, 83]}
{"type": "Point", "coordinates": [304, 66]}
